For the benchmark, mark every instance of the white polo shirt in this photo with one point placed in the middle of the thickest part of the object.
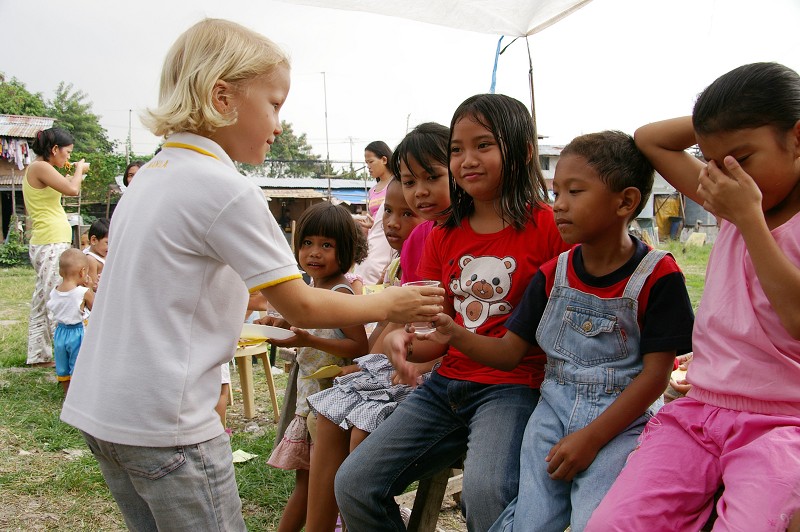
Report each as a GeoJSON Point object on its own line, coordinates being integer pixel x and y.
{"type": "Point", "coordinates": [187, 242]}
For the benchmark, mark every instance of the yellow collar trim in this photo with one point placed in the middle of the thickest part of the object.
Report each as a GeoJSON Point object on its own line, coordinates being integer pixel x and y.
{"type": "Point", "coordinates": [190, 147]}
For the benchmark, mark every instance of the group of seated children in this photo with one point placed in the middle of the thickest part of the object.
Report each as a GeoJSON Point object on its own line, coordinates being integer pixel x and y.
{"type": "Point", "coordinates": [609, 314]}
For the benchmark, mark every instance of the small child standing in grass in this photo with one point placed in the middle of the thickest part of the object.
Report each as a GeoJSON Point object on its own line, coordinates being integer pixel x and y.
{"type": "Point", "coordinates": [69, 303]}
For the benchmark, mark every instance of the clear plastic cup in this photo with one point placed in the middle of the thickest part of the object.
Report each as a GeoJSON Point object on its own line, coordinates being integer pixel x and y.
{"type": "Point", "coordinates": [423, 327]}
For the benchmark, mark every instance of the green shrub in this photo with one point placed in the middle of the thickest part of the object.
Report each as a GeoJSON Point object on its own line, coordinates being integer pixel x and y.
{"type": "Point", "coordinates": [13, 252]}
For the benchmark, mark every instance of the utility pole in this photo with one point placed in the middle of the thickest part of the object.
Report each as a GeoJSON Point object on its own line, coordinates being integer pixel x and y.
{"type": "Point", "coordinates": [128, 146]}
{"type": "Point", "coordinates": [327, 145]}
{"type": "Point", "coordinates": [352, 172]}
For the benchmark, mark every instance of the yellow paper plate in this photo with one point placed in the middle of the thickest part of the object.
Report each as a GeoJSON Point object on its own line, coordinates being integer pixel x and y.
{"type": "Point", "coordinates": [253, 331]}
{"type": "Point", "coordinates": [325, 372]}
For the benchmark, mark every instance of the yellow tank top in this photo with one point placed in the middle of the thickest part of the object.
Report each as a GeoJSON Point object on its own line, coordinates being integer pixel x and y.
{"type": "Point", "coordinates": [50, 225]}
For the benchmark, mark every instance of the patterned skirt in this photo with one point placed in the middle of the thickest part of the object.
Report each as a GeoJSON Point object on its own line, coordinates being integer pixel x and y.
{"type": "Point", "coordinates": [294, 450]}
{"type": "Point", "coordinates": [362, 399]}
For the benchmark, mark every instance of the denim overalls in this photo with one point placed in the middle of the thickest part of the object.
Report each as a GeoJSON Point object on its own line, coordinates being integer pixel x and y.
{"type": "Point", "coordinates": [592, 347]}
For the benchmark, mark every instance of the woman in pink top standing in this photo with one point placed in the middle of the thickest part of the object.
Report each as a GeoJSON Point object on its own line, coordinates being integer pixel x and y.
{"type": "Point", "coordinates": [740, 423]}
{"type": "Point", "coordinates": [377, 155]}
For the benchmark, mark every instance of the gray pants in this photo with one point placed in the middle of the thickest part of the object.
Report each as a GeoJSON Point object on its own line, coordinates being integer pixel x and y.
{"type": "Point", "coordinates": [190, 487]}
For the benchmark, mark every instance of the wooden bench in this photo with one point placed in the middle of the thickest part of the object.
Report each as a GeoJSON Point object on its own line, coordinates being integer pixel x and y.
{"type": "Point", "coordinates": [426, 501]}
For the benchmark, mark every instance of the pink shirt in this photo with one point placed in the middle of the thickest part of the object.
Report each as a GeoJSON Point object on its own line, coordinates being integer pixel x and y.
{"type": "Point", "coordinates": [744, 359]}
{"type": "Point", "coordinates": [412, 251]}
{"type": "Point", "coordinates": [375, 199]}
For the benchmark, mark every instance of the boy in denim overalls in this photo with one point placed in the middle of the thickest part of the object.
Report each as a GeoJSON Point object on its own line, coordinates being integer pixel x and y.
{"type": "Point", "coordinates": [611, 314]}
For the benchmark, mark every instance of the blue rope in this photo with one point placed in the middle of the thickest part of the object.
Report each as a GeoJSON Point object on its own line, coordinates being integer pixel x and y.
{"type": "Point", "coordinates": [494, 70]}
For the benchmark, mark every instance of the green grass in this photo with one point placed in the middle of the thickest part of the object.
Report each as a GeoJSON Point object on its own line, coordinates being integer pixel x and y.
{"type": "Point", "coordinates": [692, 260]}
{"type": "Point", "coordinates": [16, 287]}
{"type": "Point", "coordinates": [71, 492]}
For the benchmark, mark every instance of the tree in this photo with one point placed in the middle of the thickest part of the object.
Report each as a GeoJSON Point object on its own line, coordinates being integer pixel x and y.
{"type": "Point", "coordinates": [73, 113]}
{"type": "Point", "coordinates": [15, 99]}
{"type": "Point", "coordinates": [290, 156]}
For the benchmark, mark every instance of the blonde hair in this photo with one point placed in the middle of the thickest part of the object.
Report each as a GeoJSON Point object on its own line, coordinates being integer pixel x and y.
{"type": "Point", "coordinates": [209, 51]}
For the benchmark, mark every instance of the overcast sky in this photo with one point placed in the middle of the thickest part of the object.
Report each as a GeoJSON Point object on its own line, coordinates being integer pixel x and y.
{"type": "Point", "coordinates": [614, 64]}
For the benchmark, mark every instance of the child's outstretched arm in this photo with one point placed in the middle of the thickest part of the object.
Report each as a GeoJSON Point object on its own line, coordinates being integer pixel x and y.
{"type": "Point", "coordinates": [664, 144]}
{"type": "Point", "coordinates": [503, 353]}
{"type": "Point", "coordinates": [576, 452]}
{"type": "Point", "coordinates": [735, 197]}
{"type": "Point", "coordinates": [304, 306]}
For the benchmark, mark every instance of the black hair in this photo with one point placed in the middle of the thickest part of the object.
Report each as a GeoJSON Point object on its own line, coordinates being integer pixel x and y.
{"type": "Point", "coordinates": [125, 177]}
{"type": "Point", "coordinates": [750, 96]}
{"type": "Point", "coordinates": [428, 142]}
{"type": "Point", "coordinates": [330, 221]}
{"type": "Point", "coordinates": [523, 187]}
{"type": "Point", "coordinates": [99, 228]}
{"type": "Point", "coordinates": [47, 139]}
{"type": "Point", "coordinates": [617, 160]}
{"type": "Point", "coordinates": [381, 149]}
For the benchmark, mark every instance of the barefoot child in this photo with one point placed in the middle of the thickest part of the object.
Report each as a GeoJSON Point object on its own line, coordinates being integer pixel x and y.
{"type": "Point", "coordinates": [325, 246]}
{"type": "Point", "coordinates": [610, 314]}
{"type": "Point", "coordinates": [70, 303]}
{"type": "Point", "coordinates": [739, 424]}
{"type": "Point", "coordinates": [148, 377]}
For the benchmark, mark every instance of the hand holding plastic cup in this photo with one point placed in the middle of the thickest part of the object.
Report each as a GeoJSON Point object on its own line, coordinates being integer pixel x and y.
{"type": "Point", "coordinates": [423, 327]}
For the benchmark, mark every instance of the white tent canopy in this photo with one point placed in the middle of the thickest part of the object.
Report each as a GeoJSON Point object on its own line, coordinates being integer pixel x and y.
{"type": "Point", "coordinates": [518, 18]}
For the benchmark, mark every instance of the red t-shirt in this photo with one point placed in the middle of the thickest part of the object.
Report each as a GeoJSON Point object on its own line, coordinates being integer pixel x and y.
{"type": "Point", "coordinates": [485, 276]}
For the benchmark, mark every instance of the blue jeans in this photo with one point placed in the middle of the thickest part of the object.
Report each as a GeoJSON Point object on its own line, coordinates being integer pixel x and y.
{"type": "Point", "coordinates": [544, 504]}
{"type": "Point", "coordinates": [190, 487]}
{"type": "Point", "coordinates": [441, 421]}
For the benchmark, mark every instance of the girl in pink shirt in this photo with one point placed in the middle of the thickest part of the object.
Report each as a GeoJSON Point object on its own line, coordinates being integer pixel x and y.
{"type": "Point", "coordinates": [740, 423]}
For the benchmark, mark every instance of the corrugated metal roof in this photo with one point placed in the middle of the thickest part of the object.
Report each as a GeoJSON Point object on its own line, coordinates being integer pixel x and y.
{"type": "Point", "coordinates": [24, 127]}
{"type": "Point", "coordinates": [5, 180]}
{"type": "Point", "coordinates": [293, 193]}
{"type": "Point", "coordinates": [308, 182]}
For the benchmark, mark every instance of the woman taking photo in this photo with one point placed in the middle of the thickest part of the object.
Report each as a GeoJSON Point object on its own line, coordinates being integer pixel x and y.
{"type": "Point", "coordinates": [42, 189]}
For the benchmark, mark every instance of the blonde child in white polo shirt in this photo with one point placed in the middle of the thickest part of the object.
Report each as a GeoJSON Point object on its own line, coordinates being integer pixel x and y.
{"type": "Point", "coordinates": [144, 388]}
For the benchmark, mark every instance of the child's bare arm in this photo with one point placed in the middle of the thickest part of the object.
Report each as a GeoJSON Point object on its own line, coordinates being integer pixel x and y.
{"type": "Point", "coordinates": [735, 197]}
{"type": "Point", "coordinates": [576, 452]}
{"type": "Point", "coordinates": [93, 264]}
{"type": "Point", "coordinates": [304, 306]}
{"type": "Point", "coordinates": [664, 144]}
{"type": "Point", "coordinates": [88, 298]}
{"type": "Point", "coordinates": [503, 353]}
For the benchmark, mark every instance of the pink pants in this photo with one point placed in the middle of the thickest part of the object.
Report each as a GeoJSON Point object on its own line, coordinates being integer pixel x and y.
{"type": "Point", "coordinates": [686, 452]}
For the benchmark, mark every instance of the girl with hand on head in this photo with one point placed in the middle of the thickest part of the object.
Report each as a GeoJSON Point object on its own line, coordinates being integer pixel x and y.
{"type": "Point", "coordinates": [42, 189]}
{"type": "Point", "coordinates": [325, 247]}
{"type": "Point", "coordinates": [144, 388]}
{"type": "Point", "coordinates": [498, 232]}
{"type": "Point", "coordinates": [739, 424]}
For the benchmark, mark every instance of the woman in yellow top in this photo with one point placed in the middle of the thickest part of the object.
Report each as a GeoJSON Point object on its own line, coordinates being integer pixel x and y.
{"type": "Point", "coordinates": [42, 189]}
